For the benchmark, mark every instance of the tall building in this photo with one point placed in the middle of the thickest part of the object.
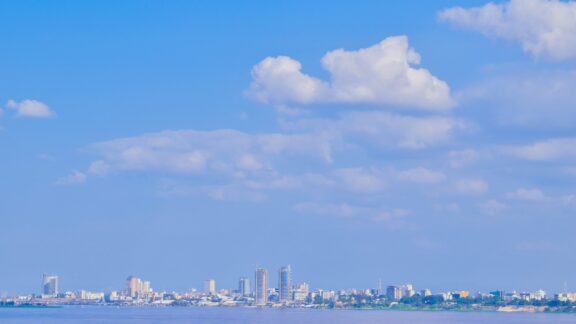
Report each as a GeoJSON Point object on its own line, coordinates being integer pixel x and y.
{"type": "Point", "coordinates": [210, 287]}
{"type": "Point", "coordinates": [261, 282]}
{"type": "Point", "coordinates": [394, 293]}
{"type": "Point", "coordinates": [244, 286]}
{"type": "Point", "coordinates": [49, 285]}
{"type": "Point", "coordinates": [133, 286]}
{"type": "Point", "coordinates": [285, 284]}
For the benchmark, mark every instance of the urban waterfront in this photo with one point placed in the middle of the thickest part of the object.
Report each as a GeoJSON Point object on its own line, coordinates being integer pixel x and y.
{"type": "Point", "coordinates": [144, 315]}
{"type": "Point", "coordinates": [289, 295]}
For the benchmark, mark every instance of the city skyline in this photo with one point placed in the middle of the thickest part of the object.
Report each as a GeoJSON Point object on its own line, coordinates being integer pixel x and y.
{"type": "Point", "coordinates": [430, 142]}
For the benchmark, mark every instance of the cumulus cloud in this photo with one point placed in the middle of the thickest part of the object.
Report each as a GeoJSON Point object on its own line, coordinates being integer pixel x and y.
{"type": "Point", "coordinates": [534, 194]}
{"type": "Point", "coordinates": [383, 74]}
{"type": "Point", "coordinates": [551, 149]}
{"type": "Point", "coordinates": [544, 28]}
{"type": "Point", "coordinates": [74, 178]}
{"type": "Point", "coordinates": [30, 108]}
{"type": "Point", "coordinates": [421, 175]}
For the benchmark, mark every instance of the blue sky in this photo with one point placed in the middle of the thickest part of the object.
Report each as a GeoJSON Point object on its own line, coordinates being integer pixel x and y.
{"type": "Point", "coordinates": [423, 142]}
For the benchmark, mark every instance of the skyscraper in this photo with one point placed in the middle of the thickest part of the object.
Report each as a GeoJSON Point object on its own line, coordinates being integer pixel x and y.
{"type": "Point", "coordinates": [244, 286]}
{"type": "Point", "coordinates": [210, 287]}
{"type": "Point", "coordinates": [261, 281]}
{"type": "Point", "coordinates": [133, 287]}
{"type": "Point", "coordinates": [394, 293]}
{"type": "Point", "coordinates": [285, 284]}
{"type": "Point", "coordinates": [50, 285]}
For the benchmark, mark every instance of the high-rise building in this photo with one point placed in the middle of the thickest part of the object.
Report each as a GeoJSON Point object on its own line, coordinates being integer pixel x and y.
{"type": "Point", "coordinates": [133, 287]}
{"type": "Point", "coordinates": [244, 286]}
{"type": "Point", "coordinates": [49, 285]}
{"type": "Point", "coordinates": [210, 287]}
{"type": "Point", "coordinates": [408, 290]}
{"type": "Point", "coordinates": [146, 289]}
{"type": "Point", "coordinates": [261, 282]}
{"type": "Point", "coordinates": [285, 284]}
{"type": "Point", "coordinates": [394, 293]}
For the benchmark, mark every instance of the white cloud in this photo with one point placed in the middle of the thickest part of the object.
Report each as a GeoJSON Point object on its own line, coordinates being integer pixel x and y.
{"type": "Point", "coordinates": [394, 218]}
{"type": "Point", "coordinates": [527, 194]}
{"type": "Point", "coordinates": [221, 151]}
{"type": "Point", "coordinates": [421, 175]}
{"type": "Point", "coordinates": [339, 210]}
{"type": "Point", "coordinates": [225, 192]}
{"type": "Point", "coordinates": [30, 108]}
{"type": "Point", "coordinates": [492, 207]}
{"type": "Point", "coordinates": [382, 74]}
{"type": "Point", "coordinates": [471, 186]}
{"type": "Point", "coordinates": [383, 129]}
{"type": "Point", "coordinates": [360, 180]}
{"type": "Point", "coordinates": [392, 215]}
{"type": "Point", "coordinates": [99, 167]}
{"type": "Point", "coordinates": [74, 178]}
{"type": "Point", "coordinates": [552, 149]}
{"type": "Point", "coordinates": [543, 27]}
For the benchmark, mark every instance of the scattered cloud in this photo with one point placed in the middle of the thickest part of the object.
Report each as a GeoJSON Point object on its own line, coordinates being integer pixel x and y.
{"type": "Point", "coordinates": [458, 159]}
{"type": "Point", "coordinates": [228, 152]}
{"type": "Point", "coordinates": [383, 74]}
{"type": "Point", "coordinates": [544, 28]}
{"type": "Point", "coordinates": [339, 210]}
{"type": "Point", "coordinates": [74, 178]}
{"type": "Point", "coordinates": [471, 186]}
{"type": "Point", "coordinates": [383, 129]}
{"type": "Point", "coordinates": [100, 168]}
{"type": "Point", "coordinates": [225, 192]}
{"type": "Point", "coordinates": [360, 180]}
{"type": "Point", "coordinates": [421, 175]}
{"type": "Point", "coordinates": [395, 218]}
{"type": "Point", "coordinates": [534, 194]}
{"type": "Point", "coordinates": [546, 150]}
{"type": "Point", "coordinates": [30, 108]}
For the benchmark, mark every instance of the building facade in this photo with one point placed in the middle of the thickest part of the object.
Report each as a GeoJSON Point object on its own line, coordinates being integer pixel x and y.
{"type": "Point", "coordinates": [261, 282]}
{"type": "Point", "coordinates": [244, 287]}
{"type": "Point", "coordinates": [285, 284]}
{"type": "Point", "coordinates": [210, 286]}
{"type": "Point", "coordinates": [50, 285]}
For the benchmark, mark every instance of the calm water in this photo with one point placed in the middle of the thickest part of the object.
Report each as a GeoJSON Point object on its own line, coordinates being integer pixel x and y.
{"type": "Point", "coordinates": [243, 315]}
